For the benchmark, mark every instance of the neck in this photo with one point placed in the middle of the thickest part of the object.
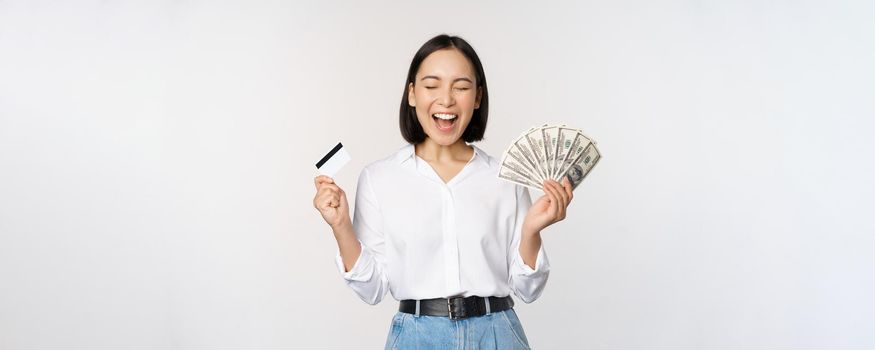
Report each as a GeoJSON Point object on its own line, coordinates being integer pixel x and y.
{"type": "Point", "coordinates": [432, 151]}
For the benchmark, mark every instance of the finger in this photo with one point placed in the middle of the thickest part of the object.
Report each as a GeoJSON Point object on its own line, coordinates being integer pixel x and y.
{"type": "Point", "coordinates": [541, 201]}
{"type": "Point", "coordinates": [554, 189]}
{"type": "Point", "coordinates": [563, 202]}
{"type": "Point", "coordinates": [333, 200]}
{"type": "Point", "coordinates": [327, 197]}
{"type": "Point", "coordinates": [332, 187]}
{"type": "Point", "coordinates": [554, 207]}
{"type": "Point", "coordinates": [562, 194]}
{"type": "Point", "coordinates": [544, 185]}
{"type": "Point", "coordinates": [548, 189]}
{"type": "Point", "coordinates": [566, 184]}
{"type": "Point", "coordinates": [340, 198]}
{"type": "Point", "coordinates": [566, 198]}
{"type": "Point", "coordinates": [323, 200]}
{"type": "Point", "coordinates": [322, 203]}
{"type": "Point", "coordinates": [319, 197]}
{"type": "Point", "coordinates": [322, 179]}
{"type": "Point", "coordinates": [546, 195]}
{"type": "Point", "coordinates": [550, 192]}
{"type": "Point", "coordinates": [322, 191]}
{"type": "Point", "coordinates": [561, 214]}
{"type": "Point", "coordinates": [343, 202]}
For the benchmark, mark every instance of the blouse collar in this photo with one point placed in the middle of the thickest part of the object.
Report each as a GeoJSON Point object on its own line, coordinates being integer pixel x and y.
{"type": "Point", "coordinates": [409, 151]}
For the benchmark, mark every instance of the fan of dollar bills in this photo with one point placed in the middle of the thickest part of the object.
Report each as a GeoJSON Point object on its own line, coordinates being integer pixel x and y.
{"type": "Point", "coordinates": [549, 152]}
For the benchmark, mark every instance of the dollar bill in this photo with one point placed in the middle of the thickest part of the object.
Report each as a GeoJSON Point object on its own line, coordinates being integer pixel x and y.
{"type": "Point", "coordinates": [565, 140]}
{"type": "Point", "coordinates": [536, 146]}
{"type": "Point", "coordinates": [524, 149]}
{"type": "Point", "coordinates": [578, 145]}
{"type": "Point", "coordinates": [551, 141]}
{"type": "Point", "coordinates": [582, 165]}
{"type": "Point", "coordinates": [512, 176]}
{"type": "Point", "coordinates": [516, 154]}
{"type": "Point", "coordinates": [519, 168]}
{"type": "Point", "coordinates": [549, 152]}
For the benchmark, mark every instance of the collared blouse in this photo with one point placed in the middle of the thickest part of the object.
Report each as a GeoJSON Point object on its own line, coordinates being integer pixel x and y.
{"type": "Point", "coordinates": [423, 238]}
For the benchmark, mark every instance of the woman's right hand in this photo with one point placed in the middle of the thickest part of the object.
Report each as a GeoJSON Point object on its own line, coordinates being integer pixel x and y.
{"type": "Point", "coordinates": [331, 202]}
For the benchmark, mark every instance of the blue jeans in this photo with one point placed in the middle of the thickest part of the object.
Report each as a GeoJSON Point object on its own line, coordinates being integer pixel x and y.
{"type": "Point", "coordinates": [498, 330]}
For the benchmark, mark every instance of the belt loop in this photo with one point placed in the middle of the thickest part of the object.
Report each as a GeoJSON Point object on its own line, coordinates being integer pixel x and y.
{"type": "Point", "coordinates": [488, 311]}
{"type": "Point", "coordinates": [417, 308]}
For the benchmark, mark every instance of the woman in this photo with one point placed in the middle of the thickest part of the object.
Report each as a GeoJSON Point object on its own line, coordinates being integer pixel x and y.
{"type": "Point", "coordinates": [435, 226]}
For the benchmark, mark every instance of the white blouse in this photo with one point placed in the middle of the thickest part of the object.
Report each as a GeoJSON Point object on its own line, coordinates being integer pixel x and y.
{"type": "Point", "coordinates": [423, 238]}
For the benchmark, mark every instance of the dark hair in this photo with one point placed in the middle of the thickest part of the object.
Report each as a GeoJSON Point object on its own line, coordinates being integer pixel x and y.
{"type": "Point", "coordinates": [410, 128]}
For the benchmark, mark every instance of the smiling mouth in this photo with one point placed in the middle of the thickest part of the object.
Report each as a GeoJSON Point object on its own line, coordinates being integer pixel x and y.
{"type": "Point", "coordinates": [444, 122]}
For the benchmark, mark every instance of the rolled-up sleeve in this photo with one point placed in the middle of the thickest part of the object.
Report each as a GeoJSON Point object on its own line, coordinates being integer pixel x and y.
{"type": "Point", "coordinates": [367, 277]}
{"type": "Point", "coordinates": [526, 283]}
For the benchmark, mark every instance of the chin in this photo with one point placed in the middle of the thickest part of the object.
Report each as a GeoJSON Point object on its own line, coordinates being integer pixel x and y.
{"type": "Point", "coordinates": [445, 141]}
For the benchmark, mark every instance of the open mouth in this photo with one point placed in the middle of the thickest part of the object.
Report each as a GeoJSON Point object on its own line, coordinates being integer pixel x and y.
{"type": "Point", "coordinates": [444, 122]}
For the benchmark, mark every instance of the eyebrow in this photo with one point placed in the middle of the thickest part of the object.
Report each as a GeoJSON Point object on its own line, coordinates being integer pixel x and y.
{"type": "Point", "coordinates": [454, 80]}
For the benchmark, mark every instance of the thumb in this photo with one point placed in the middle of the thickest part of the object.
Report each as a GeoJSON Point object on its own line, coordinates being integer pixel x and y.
{"type": "Point", "coordinates": [541, 203]}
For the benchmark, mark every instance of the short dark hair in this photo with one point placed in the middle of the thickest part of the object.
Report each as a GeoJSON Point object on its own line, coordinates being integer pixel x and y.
{"type": "Point", "coordinates": [410, 128]}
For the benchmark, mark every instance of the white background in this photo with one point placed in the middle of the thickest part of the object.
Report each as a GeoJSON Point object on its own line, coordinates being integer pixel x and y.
{"type": "Point", "coordinates": [156, 168]}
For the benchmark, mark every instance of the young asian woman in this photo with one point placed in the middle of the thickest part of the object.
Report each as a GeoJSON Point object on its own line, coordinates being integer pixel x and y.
{"type": "Point", "coordinates": [434, 225]}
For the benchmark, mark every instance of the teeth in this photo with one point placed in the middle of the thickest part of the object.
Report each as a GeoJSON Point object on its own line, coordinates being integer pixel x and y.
{"type": "Point", "coordinates": [445, 116]}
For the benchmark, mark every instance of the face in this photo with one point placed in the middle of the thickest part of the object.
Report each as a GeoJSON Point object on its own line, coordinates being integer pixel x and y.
{"type": "Point", "coordinates": [445, 95]}
{"type": "Point", "coordinates": [576, 173]}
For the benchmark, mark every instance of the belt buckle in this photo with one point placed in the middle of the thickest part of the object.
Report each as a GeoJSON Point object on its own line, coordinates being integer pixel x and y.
{"type": "Point", "coordinates": [450, 308]}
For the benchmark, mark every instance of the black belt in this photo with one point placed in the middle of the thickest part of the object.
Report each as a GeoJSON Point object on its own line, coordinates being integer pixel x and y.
{"type": "Point", "coordinates": [456, 308]}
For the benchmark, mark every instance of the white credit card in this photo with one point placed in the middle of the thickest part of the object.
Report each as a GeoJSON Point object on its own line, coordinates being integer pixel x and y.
{"type": "Point", "coordinates": [333, 161]}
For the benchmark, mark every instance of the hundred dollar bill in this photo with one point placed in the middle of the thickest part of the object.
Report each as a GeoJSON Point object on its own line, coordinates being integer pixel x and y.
{"type": "Point", "coordinates": [508, 170]}
{"type": "Point", "coordinates": [582, 165]}
{"type": "Point", "coordinates": [551, 134]}
{"type": "Point", "coordinates": [565, 140]}
{"type": "Point", "coordinates": [523, 149]}
{"type": "Point", "coordinates": [519, 168]}
{"type": "Point", "coordinates": [517, 155]}
{"type": "Point", "coordinates": [536, 145]}
{"type": "Point", "coordinates": [512, 176]}
{"type": "Point", "coordinates": [578, 145]}
{"type": "Point", "coordinates": [549, 152]}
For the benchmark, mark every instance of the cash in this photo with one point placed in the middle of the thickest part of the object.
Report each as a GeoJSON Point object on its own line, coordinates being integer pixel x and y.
{"type": "Point", "coordinates": [549, 152]}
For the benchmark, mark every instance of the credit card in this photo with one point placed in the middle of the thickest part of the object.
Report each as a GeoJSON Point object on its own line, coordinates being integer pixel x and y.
{"type": "Point", "coordinates": [333, 161]}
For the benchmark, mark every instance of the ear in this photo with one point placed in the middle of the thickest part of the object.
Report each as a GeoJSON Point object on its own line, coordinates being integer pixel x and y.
{"type": "Point", "coordinates": [479, 96]}
{"type": "Point", "coordinates": [411, 97]}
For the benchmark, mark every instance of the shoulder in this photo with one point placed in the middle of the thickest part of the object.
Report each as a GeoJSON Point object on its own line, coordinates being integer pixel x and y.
{"type": "Point", "coordinates": [491, 161]}
{"type": "Point", "coordinates": [388, 164]}
{"type": "Point", "coordinates": [492, 166]}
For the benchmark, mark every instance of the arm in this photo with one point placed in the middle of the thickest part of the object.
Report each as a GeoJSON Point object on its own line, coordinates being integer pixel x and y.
{"type": "Point", "coordinates": [331, 202]}
{"type": "Point", "coordinates": [530, 245]}
{"type": "Point", "coordinates": [360, 241]}
{"type": "Point", "coordinates": [348, 245]}
{"type": "Point", "coordinates": [530, 269]}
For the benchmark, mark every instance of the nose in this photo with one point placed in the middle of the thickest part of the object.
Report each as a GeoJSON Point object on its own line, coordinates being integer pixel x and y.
{"type": "Point", "coordinates": [445, 98]}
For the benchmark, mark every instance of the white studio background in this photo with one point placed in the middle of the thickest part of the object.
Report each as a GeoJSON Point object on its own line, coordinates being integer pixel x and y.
{"type": "Point", "coordinates": [156, 168]}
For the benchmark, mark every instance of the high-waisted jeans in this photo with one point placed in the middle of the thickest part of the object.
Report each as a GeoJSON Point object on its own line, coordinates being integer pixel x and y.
{"type": "Point", "coordinates": [498, 330]}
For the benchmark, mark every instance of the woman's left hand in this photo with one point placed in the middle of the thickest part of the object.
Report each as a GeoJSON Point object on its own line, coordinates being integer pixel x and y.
{"type": "Point", "coordinates": [550, 208]}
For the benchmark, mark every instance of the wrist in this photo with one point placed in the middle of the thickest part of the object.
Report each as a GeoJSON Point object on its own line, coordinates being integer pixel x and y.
{"type": "Point", "coordinates": [530, 233]}
{"type": "Point", "coordinates": [343, 228]}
